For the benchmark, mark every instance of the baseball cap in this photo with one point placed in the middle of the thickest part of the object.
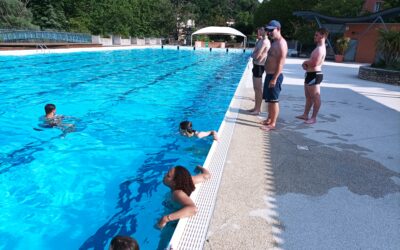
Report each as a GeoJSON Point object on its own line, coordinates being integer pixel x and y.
{"type": "Point", "coordinates": [273, 25]}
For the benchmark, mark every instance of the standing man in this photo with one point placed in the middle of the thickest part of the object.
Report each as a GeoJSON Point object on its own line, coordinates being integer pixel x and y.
{"type": "Point", "coordinates": [259, 56]}
{"type": "Point", "coordinates": [273, 67]}
{"type": "Point", "coordinates": [314, 77]}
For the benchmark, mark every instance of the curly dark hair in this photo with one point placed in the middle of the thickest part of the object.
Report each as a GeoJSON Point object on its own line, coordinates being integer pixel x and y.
{"type": "Point", "coordinates": [186, 126]}
{"type": "Point", "coordinates": [124, 243]}
{"type": "Point", "coordinates": [183, 180]}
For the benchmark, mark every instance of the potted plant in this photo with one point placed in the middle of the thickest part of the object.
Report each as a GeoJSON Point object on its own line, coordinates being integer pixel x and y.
{"type": "Point", "coordinates": [341, 46]}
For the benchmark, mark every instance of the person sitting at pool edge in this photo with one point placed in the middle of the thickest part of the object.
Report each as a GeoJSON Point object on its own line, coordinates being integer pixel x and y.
{"type": "Point", "coordinates": [185, 128]}
{"type": "Point", "coordinates": [123, 243]}
{"type": "Point", "coordinates": [182, 185]}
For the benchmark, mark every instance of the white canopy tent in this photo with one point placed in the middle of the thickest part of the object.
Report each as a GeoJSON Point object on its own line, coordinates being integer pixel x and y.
{"type": "Point", "coordinates": [218, 30]}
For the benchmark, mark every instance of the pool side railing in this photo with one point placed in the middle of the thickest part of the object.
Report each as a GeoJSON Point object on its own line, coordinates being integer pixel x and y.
{"type": "Point", "coordinates": [190, 233]}
{"type": "Point", "coordinates": [12, 36]}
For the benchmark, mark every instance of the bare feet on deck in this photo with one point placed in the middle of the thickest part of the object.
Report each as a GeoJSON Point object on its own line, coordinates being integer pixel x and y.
{"type": "Point", "coordinates": [311, 121]}
{"type": "Point", "coordinates": [254, 112]}
{"type": "Point", "coordinates": [266, 122]}
{"type": "Point", "coordinates": [267, 128]}
{"type": "Point", "coordinates": [302, 117]}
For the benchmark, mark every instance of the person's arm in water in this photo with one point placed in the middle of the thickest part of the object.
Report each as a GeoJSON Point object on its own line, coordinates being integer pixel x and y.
{"type": "Point", "coordinates": [189, 208]}
{"type": "Point", "coordinates": [202, 134]}
{"type": "Point", "coordinates": [202, 177]}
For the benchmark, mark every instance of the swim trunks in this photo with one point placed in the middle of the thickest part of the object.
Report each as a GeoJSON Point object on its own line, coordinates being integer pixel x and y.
{"type": "Point", "coordinates": [258, 70]}
{"type": "Point", "coordinates": [313, 78]}
{"type": "Point", "coordinates": [272, 94]}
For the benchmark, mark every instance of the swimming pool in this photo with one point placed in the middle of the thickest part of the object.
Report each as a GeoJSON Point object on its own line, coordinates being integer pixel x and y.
{"type": "Point", "coordinates": [77, 191]}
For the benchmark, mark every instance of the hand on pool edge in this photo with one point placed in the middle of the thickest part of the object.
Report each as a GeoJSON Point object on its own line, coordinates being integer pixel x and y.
{"type": "Point", "coordinates": [162, 222]}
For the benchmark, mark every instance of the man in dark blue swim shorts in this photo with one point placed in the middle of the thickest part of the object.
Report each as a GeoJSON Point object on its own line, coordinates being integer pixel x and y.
{"type": "Point", "coordinates": [272, 94]}
{"type": "Point", "coordinates": [273, 67]}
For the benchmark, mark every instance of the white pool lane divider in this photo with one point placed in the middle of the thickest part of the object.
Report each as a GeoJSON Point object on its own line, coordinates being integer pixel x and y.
{"type": "Point", "coordinates": [190, 233]}
{"type": "Point", "coordinates": [39, 51]}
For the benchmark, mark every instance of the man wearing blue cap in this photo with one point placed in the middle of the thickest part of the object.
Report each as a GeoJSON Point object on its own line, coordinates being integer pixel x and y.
{"type": "Point", "coordinates": [273, 67]}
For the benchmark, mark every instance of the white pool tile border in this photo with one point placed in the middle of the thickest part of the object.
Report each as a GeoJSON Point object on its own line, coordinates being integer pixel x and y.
{"type": "Point", "coordinates": [190, 233]}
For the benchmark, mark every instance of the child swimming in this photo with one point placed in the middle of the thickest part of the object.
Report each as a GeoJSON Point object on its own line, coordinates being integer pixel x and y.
{"type": "Point", "coordinates": [50, 119]}
{"type": "Point", "coordinates": [185, 128]}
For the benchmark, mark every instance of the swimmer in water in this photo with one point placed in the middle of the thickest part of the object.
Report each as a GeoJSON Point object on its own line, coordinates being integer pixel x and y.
{"type": "Point", "coordinates": [182, 184]}
{"type": "Point", "coordinates": [185, 128]}
{"type": "Point", "coordinates": [50, 119]}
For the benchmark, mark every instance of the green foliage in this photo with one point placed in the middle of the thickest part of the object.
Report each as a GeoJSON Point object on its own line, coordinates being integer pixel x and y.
{"type": "Point", "coordinates": [388, 46]}
{"type": "Point", "coordinates": [48, 14]}
{"type": "Point", "coordinates": [282, 10]}
{"type": "Point", "coordinates": [342, 44]}
{"type": "Point", "coordinates": [120, 17]}
{"type": "Point", "coordinates": [387, 4]}
{"type": "Point", "coordinates": [15, 15]}
{"type": "Point", "coordinates": [304, 33]}
{"type": "Point", "coordinates": [339, 8]}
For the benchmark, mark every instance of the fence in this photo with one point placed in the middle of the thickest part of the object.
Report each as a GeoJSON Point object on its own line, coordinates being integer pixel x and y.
{"type": "Point", "coordinates": [10, 36]}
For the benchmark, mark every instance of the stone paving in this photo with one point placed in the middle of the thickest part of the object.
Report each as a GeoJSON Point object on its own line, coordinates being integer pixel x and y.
{"type": "Point", "coordinates": [331, 185]}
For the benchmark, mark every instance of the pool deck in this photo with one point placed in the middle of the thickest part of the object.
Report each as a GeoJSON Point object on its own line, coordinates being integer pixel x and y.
{"type": "Point", "coordinates": [331, 185]}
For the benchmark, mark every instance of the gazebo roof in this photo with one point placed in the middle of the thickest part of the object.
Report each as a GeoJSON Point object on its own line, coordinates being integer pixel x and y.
{"type": "Point", "coordinates": [218, 30]}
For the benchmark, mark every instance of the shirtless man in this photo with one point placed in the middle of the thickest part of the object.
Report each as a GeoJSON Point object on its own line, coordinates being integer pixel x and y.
{"type": "Point", "coordinates": [273, 67]}
{"type": "Point", "coordinates": [259, 56]}
{"type": "Point", "coordinates": [314, 77]}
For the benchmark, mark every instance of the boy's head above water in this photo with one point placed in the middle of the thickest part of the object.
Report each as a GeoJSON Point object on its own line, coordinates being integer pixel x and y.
{"type": "Point", "coordinates": [49, 108]}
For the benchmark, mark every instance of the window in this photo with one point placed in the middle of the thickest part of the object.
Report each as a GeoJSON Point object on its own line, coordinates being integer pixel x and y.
{"type": "Point", "coordinates": [377, 6]}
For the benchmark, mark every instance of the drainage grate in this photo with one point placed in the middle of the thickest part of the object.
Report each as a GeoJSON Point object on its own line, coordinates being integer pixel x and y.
{"type": "Point", "coordinates": [190, 233]}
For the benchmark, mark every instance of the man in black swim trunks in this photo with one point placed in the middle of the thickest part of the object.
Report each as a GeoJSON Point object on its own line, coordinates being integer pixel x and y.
{"type": "Point", "coordinates": [259, 56]}
{"type": "Point", "coordinates": [314, 77]}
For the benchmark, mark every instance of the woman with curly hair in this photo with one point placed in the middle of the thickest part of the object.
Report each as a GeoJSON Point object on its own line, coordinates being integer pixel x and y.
{"type": "Point", "coordinates": [182, 185]}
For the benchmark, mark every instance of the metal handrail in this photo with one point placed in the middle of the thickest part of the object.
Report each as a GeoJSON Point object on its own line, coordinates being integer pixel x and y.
{"type": "Point", "coordinates": [29, 35]}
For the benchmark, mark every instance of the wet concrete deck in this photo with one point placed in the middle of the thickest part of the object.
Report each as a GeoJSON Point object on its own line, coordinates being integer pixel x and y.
{"type": "Point", "coordinates": [331, 185]}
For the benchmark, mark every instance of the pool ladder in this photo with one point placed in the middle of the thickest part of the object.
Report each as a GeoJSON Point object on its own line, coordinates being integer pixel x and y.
{"type": "Point", "coordinates": [42, 47]}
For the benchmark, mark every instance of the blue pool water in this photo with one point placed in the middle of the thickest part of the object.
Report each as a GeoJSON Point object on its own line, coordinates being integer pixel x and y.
{"type": "Point", "coordinates": [77, 191]}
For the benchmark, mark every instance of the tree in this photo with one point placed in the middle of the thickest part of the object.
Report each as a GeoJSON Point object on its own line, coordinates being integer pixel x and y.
{"type": "Point", "coordinates": [339, 8]}
{"type": "Point", "coordinates": [15, 15]}
{"type": "Point", "coordinates": [244, 15]}
{"type": "Point", "coordinates": [387, 4]}
{"type": "Point", "coordinates": [282, 10]}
